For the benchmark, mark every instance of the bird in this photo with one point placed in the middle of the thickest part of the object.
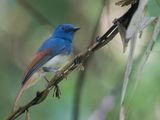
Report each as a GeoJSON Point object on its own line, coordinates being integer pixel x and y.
{"type": "Point", "coordinates": [53, 54]}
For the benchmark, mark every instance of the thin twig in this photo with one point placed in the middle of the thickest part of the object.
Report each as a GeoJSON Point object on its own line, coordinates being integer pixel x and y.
{"type": "Point", "coordinates": [79, 59]}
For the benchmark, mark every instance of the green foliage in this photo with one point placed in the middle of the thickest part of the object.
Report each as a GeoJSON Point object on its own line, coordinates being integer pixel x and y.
{"type": "Point", "coordinates": [55, 12]}
{"type": "Point", "coordinates": [154, 7]}
{"type": "Point", "coordinates": [21, 32]}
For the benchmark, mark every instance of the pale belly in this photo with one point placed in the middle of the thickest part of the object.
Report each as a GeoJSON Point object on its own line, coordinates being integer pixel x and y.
{"type": "Point", "coordinates": [58, 61]}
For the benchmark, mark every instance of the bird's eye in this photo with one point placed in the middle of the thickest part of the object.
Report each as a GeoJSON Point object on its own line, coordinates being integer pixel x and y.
{"type": "Point", "coordinates": [63, 28]}
{"type": "Point", "coordinates": [66, 29]}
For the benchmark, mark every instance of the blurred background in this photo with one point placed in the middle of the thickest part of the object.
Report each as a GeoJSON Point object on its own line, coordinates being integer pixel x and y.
{"type": "Point", "coordinates": [25, 24]}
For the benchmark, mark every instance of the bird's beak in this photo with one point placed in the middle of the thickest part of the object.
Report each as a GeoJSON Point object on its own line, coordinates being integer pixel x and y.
{"type": "Point", "coordinates": [76, 28]}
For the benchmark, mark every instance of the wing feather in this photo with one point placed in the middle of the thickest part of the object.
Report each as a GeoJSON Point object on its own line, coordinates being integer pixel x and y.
{"type": "Point", "coordinates": [40, 59]}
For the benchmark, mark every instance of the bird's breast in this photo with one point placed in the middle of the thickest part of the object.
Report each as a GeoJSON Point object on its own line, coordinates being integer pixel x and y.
{"type": "Point", "coordinates": [58, 61]}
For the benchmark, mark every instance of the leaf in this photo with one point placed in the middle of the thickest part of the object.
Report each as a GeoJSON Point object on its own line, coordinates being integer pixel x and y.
{"type": "Point", "coordinates": [145, 56]}
{"type": "Point", "coordinates": [137, 19]}
{"type": "Point", "coordinates": [125, 2]}
{"type": "Point", "coordinates": [122, 31]}
{"type": "Point", "coordinates": [127, 74]}
{"type": "Point", "coordinates": [154, 7]}
{"type": "Point", "coordinates": [147, 53]}
{"type": "Point", "coordinates": [145, 22]}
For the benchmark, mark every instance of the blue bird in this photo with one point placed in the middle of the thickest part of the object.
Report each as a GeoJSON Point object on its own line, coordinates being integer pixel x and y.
{"type": "Point", "coordinates": [51, 56]}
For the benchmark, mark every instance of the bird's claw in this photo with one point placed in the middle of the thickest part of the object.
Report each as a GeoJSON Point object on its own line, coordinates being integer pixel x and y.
{"type": "Point", "coordinates": [79, 64]}
{"type": "Point", "coordinates": [59, 73]}
{"type": "Point", "coordinates": [98, 39]}
{"type": "Point", "coordinates": [76, 61]}
{"type": "Point", "coordinates": [53, 70]}
{"type": "Point", "coordinates": [50, 69]}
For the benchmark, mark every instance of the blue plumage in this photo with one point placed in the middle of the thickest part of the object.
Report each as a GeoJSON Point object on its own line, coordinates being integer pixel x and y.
{"type": "Point", "coordinates": [61, 40]}
{"type": "Point", "coordinates": [57, 46]}
{"type": "Point", "coordinates": [53, 51]}
{"type": "Point", "coordinates": [60, 43]}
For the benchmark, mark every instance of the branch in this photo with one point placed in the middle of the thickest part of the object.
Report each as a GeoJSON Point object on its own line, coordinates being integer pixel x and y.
{"type": "Point", "coordinates": [79, 59]}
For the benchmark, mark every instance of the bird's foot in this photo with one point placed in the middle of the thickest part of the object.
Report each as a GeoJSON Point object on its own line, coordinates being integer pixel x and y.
{"type": "Point", "coordinates": [98, 39]}
{"type": "Point", "coordinates": [79, 64]}
{"type": "Point", "coordinates": [77, 61]}
{"type": "Point", "coordinates": [58, 73]}
{"type": "Point", "coordinates": [50, 69]}
{"type": "Point", "coordinates": [57, 92]}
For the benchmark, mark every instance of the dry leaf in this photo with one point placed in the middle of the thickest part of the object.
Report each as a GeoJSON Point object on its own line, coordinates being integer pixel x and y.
{"type": "Point", "coordinates": [125, 2]}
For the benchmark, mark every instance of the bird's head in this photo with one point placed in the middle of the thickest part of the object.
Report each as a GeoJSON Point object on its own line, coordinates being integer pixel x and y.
{"type": "Point", "coordinates": [65, 31]}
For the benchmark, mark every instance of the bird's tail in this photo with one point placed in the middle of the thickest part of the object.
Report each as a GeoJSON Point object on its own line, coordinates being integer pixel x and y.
{"type": "Point", "coordinates": [33, 80]}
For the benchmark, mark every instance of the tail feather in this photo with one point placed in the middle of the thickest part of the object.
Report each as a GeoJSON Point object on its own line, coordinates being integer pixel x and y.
{"type": "Point", "coordinates": [33, 80]}
{"type": "Point", "coordinates": [20, 93]}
